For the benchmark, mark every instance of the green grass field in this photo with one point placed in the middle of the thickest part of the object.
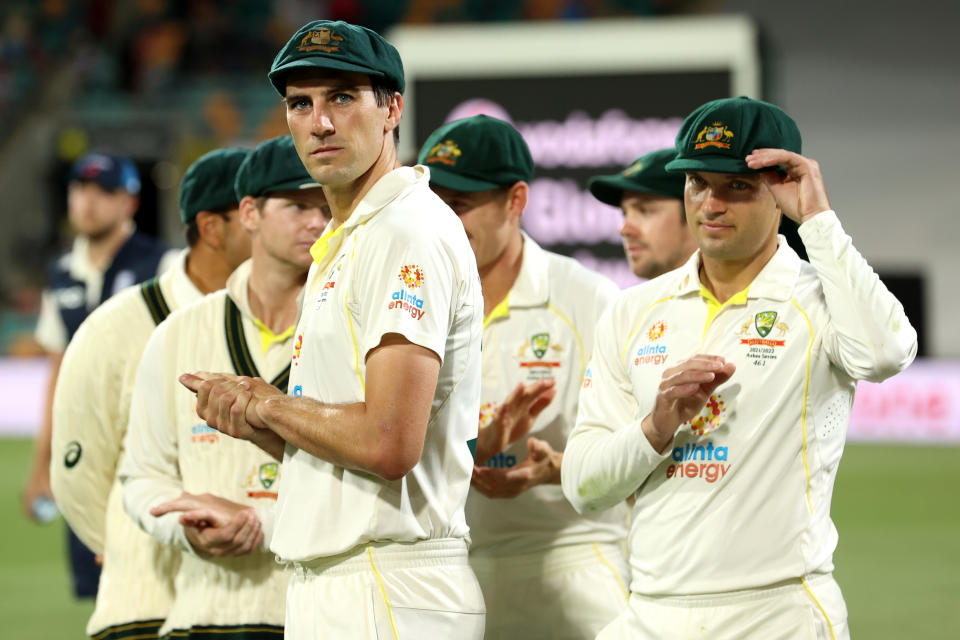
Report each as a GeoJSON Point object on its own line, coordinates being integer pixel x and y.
{"type": "Point", "coordinates": [898, 561]}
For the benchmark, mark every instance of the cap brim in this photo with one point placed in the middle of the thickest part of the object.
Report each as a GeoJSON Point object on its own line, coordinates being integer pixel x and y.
{"type": "Point", "coordinates": [278, 76]}
{"type": "Point", "coordinates": [440, 177]}
{"type": "Point", "coordinates": [292, 185]}
{"type": "Point", "coordinates": [609, 189]}
{"type": "Point", "coordinates": [712, 164]}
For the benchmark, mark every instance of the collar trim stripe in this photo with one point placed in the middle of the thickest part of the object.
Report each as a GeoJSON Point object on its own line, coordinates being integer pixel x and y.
{"type": "Point", "coordinates": [156, 303]}
{"type": "Point", "coordinates": [239, 351]}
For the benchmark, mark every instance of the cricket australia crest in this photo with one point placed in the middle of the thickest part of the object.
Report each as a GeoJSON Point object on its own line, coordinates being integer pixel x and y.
{"type": "Point", "coordinates": [764, 322]}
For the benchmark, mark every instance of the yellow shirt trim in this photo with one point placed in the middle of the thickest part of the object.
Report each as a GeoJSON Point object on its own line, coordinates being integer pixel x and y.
{"type": "Point", "coordinates": [806, 389]}
{"type": "Point", "coordinates": [322, 245]}
{"type": "Point", "coordinates": [268, 337]}
{"type": "Point", "coordinates": [714, 306]}
{"type": "Point", "coordinates": [502, 310]}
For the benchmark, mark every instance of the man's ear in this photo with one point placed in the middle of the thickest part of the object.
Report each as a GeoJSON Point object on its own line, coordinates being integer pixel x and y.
{"type": "Point", "coordinates": [394, 112]}
{"type": "Point", "coordinates": [212, 229]}
{"type": "Point", "coordinates": [249, 214]}
{"type": "Point", "coordinates": [517, 198]}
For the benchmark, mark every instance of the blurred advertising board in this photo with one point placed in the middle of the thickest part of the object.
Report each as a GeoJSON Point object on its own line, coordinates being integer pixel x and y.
{"type": "Point", "coordinates": [588, 97]}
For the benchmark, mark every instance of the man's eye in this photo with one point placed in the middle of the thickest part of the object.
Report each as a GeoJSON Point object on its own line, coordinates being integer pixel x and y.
{"type": "Point", "coordinates": [342, 98]}
{"type": "Point", "coordinates": [738, 185]}
{"type": "Point", "coordinates": [299, 104]}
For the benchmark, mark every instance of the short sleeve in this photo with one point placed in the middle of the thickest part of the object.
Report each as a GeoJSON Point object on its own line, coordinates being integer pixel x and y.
{"type": "Point", "coordinates": [408, 288]}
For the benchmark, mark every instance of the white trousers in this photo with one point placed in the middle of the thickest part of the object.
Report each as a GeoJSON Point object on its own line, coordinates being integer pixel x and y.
{"type": "Point", "coordinates": [387, 591]}
{"type": "Point", "coordinates": [807, 609]}
{"type": "Point", "coordinates": [570, 592]}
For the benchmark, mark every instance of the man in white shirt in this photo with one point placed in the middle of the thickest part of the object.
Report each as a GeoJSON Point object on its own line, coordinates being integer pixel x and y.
{"type": "Point", "coordinates": [385, 377]}
{"type": "Point", "coordinates": [92, 402]}
{"type": "Point", "coordinates": [540, 309]}
{"type": "Point", "coordinates": [107, 256]}
{"type": "Point", "coordinates": [720, 394]}
{"type": "Point", "coordinates": [656, 238]}
{"type": "Point", "coordinates": [209, 496]}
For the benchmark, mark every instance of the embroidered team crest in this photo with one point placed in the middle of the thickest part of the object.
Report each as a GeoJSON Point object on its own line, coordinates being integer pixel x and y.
{"type": "Point", "coordinates": [710, 417]}
{"type": "Point", "coordinates": [657, 330]}
{"type": "Point", "coordinates": [713, 135]}
{"type": "Point", "coordinates": [268, 474]}
{"type": "Point", "coordinates": [540, 342]}
{"type": "Point", "coordinates": [764, 322]}
{"type": "Point", "coordinates": [412, 276]}
{"type": "Point", "coordinates": [322, 39]}
{"type": "Point", "coordinates": [445, 152]}
{"type": "Point", "coordinates": [636, 167]}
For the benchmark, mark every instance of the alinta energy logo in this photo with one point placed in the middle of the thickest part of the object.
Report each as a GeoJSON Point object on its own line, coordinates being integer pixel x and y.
{"type": "Point", "coordinates": [297, 346]}
{"type": "Point", "coordinates": [655, 354]}
{"type": "Point", "coordinates": [412, 276]}
{"type": "Point", "coordinates": [657, 330]}
{"type": "Point", "coordinates": [487, 411]}
{"type": "Point", "coordinates": [703, 460]}
{"type": "Point", "coordinates": [204, 433]}
{"type": "Point", "coordinates": [710, 416]}
{"type": "Point", "coordinates": [404, 300]}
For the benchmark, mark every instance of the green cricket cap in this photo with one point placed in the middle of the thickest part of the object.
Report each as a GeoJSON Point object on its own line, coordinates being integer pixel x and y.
{"type": "Point", "coordinates": [719, 135]}
{"type": "Point", "coordinates": [327, 44]}
{"type": "Point", "coordinates": [647, 174]}
{"type": "Point", "coordinates": [273, 166]}
{"type": "Point", "coordinates": [208, 183]}
{"type": "Point", "coordinates": [476, 154]}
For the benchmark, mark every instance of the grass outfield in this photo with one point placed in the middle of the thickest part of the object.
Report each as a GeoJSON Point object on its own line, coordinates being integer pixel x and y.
{"type": "Point", "coordinates": [898, 560]}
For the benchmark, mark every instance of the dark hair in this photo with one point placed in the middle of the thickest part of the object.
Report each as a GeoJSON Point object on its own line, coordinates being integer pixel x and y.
{"type": "Point", "coordinates": [382, 93]}
{"type": "Point", "coordinates": [192, 232]}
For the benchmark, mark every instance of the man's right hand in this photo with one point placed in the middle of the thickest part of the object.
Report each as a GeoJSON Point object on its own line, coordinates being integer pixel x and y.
{"type": "Point", "coordinates": [683, 392]}
{"type": "Point", "coordinates": [215, 526]}
{"type": "Point", "coordinates": [514, 418]}
{"type": "Point", "coordinates": [38, 484]}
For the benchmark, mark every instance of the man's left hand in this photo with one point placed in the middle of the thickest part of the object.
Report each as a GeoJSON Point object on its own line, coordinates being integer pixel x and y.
{"type": "Point", "coordinates": [228, 403]}
{"type": "Point", "coordinates": [801, 194]}
{"type": "Point", "coordinates": [542, 466]}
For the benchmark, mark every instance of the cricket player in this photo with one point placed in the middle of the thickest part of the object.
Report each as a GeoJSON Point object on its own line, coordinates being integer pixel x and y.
{"type": "Point", "coordinates": [529, 545]}
{"type": "Point", "coordinates": [184, 483]}
{"type": "Point", "coordinates": [92, 402]}
{"type": "Point", "coordinates": [720, 394]}
{"type": "Point", "coordinates": [107, 256]}
{"type": "Point", "coordinates": [385, 378]}
{"type": "Point", "coordinates": [655, 235]}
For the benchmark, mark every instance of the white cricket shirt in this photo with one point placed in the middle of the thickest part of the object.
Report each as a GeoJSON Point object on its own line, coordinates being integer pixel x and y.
{"type": "Point", "coordinates": [401, 264]}
{"type": "Point", "coordinates": [741, 497]}
{"type": "Point", "coordinates": [543, 329]}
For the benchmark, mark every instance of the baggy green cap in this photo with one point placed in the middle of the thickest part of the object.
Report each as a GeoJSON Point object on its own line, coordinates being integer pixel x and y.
{"type": "Point", "coordinates": [208, 183]}
{"type": "Point", "coordinates": [476, 154]}
{"type": "Point", "coordinates": [718, 135]}
{"type": "Point", "coordinates": [647, 174]}
{"type": "Point", "coordinates": [327, 44]}
{"type": "Point", "coordinates": [273, 166]}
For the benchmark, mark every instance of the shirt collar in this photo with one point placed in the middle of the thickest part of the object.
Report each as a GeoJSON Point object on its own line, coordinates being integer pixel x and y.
{"type": "Point", "coordinates": [775, 281]}
{"type": "Point", "coordinates": [182, 288]}
{"type": "Point", "coordinates": [532, 287]}
{"type": "Point", "coordinates": [237, 287]}
{"type": "Point", "coordinates": [386, 190]}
